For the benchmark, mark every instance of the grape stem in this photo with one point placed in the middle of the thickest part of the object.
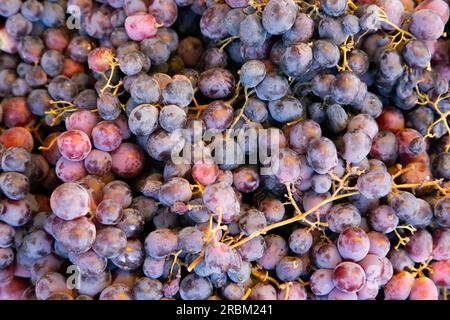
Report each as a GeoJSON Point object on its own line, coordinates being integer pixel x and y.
{"type": "Point", "coordinates": [403, 240]}
{"type": "Point", "coordinates": [296, 218]}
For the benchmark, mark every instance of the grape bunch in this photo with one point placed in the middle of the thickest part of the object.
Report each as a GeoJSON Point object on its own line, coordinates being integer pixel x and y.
{"type": "Point", "coordinates": [316, 134]}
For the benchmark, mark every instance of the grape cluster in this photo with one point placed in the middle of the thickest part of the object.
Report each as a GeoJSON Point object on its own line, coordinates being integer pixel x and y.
{"type": "Point", "coordinates": [348, 100]}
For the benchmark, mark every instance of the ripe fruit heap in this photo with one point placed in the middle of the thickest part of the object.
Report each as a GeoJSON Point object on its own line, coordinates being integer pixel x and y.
{"type": "Point", "coordinates": [224, 149]}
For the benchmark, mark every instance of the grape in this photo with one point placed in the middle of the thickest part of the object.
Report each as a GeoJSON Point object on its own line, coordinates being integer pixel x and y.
{"type": "Point", "coordinates": [400, 260]}
{"type": "Point", "coordinates": [49, 284]}
{"type": "Point", "coordinates": [132, 63]}
{"type": "Point", "coordinates": [69, 171]}
{"type": "Point", "coordinates": [93, 284]}
{"type": "Point", "coordinates": [273, 209]}
{"type": "Point", "coordinates": [127, 160]}
{"type": "Point", "coordinates": [131, 257]}
{"type": "Point", "coordinates": [153, 268]}
{"type": "Point", "coordinates": [221, 199]}
{"type": "Point", "coordinates": [438, 6]}
{"type": "Point", "coordinates": [119, 192]}
{"type": "Point", "coordinates": [321, 282]}
{"type": "Point", "coordinates": [345, 88]}
{"type": "Point", "coordinates": [385, 147]}
{"type": "Point", "coordinates": [252, 221]}
{"type": "Point", "coordinates": [296, 59]}
{"type": "Point", "coordinates": [440, 244]}
{"type": "Point", "coordinates": [164, 11]}
{"type": "Point", "coordinates": [110, 242]}
{"type": "Point", "coordinates": [74, 145]}
{"type": "Point", "coordinates": [14, 185]}
{"type": "Point", "coordinates": [116, 291]}
{"type": "Point", "coordinates": [175, 190]}
{"type": "Point", "coordinates": [399, 287]}
{"type": "Point", "coordinates": [252, 73]}
{"type": "Point", "coordinates": [276, 249]}
{"type": "Point", "coordinates": [83, 120]}
{"type": "Point", "coordinates": [246, 179]}
{"type": "Point", "coordinates": [216, 83]}
{"type": "Point", "coordinates": [349, 277]}
{"type": "Point", "coordinates": [289, 268]}
{"type": "Point", "coordinates": [143, 120]}
{"type": "Point", "coordinates": [383, 219]}
{"type": "Point", "coordinates": [77, 235]}
{"type": "Point", "coordinates": [300, 241]}
{"type": "Point", "coordinates": [301, 31]}
{"type": "Point", "coordinates": [423, 289]}
{"type": "Point", "coordinates": [420, 246]}
{"type": "Point", "coordinates": [252, 32]}
{"type": "Point", "coordinates": [9, 7]}
{"type": "Point", "coordinates": [140, 26]}
{"type": "Point", "coordinates": [357, 145]}
{"type": "Point", "coordinates": [426, 25]}
{"type": "Point", "coordinates": [326, 54]}
{"type": "Point", "coordinates": [273, 87]}
{"type": "Point", "coordinates": [205, 172]}
{"type": "Point", "coordinates": [214, 58]}
{"type": "Point", "coordinates": [242, 274]}
{"type": "Point", "coordinates": [160, 243]}
{"type": "Point", "coordinates": [286, 109]}
{"type": "Point", "coordinates": [50, 263]}
{"type": "Point", "coordinates": [70, 201]}
{"type": "Point", "coordinates": [37, 244]}
{"type": "Point", "coordinates": [440, 275]}
{"type": "Point", "coordinates": [353, 244]}
{"type": "Point", "coordinates": [326, 256]}
{"type": "Point", "coordinates": [132, 222]}
{"type": "Point", "coordinates": [379, 244]}
{"type": "Point", "coordinates": [296, 292]}
{"type": "Point", "coordinates": [416, 54]}
{"type": "Point", "coordinates": [193, 287]}
{"type": "Point", "coordinates": [55, 39]}
{"type": "Point", "coordinates": [218, 257]}
{"type": "Point", "coordinates": [89, 262]}
{"type": "Point", "coordinates": [190, 50]}
{"type": "Point", "coordinates": [321, 85]}
{"type": "Point", "coordinates": [106, 136]}
{"type": "Point", "coordinates": [253, 249]}
{"type": "Point", "coordinates": [322, 155]}
{"type": "Point", "coordinates": [7, 234]}
{"type": "Point", "coordinates": [287, 166]}
{"type": "Point", "coordinates": [145, 89]}
{"type": "Point", "coordinates": [157, 51]}
{"type": "Point", "coordinates": [375, 184]}
{"type": "Point", "coordinates": [147, 289]}
{"type": "Point", "coordinates": [279, 16]}
{"type": "Point", "coordinates": [16, 112]}
{"type": "Point", "coordinates": [146, 206]}
{"type": "Point", "coordinates": [233, 291]}
{"type": "Point", "coordinates": [190, 240]}
{"type": "Point", "coordinates": [212, 21]}
{"type": "Point", "coordinates": [441, 212]}
{"type": "Point", "coordinates": [373, 267]}
{"type": "Point", "coordinates": [263, 291]}
{"type": "Point", "coordinates": [6, 257]}
{"type": "Point", "coordinates": [98, 162]}
{"type": "Point", "coordinates": [178, 92]}
{"type": "Point", "coordinates": [371, 105]}
{"type": "Point", "coordinates": [333, 8]}
{"type": "Point", "coordinates": [342, 216]}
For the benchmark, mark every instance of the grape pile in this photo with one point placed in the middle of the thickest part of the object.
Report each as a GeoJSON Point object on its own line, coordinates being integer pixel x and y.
{"type": "Point", "coordinates": [348, 101]}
